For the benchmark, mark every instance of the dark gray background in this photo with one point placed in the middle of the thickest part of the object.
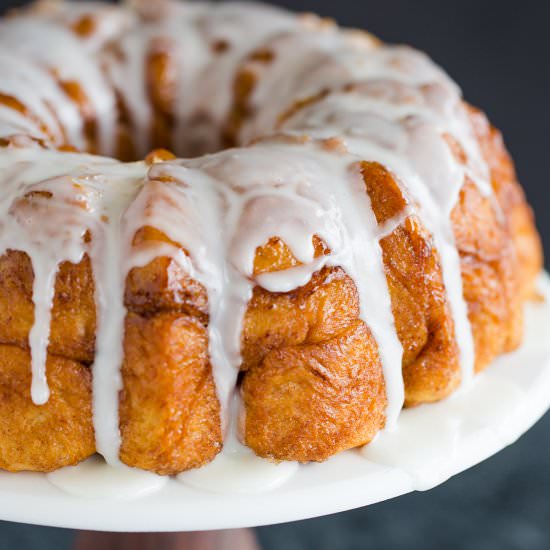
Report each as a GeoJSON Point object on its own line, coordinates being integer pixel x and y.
{"type": "Point", "coordinates": [498, 51]}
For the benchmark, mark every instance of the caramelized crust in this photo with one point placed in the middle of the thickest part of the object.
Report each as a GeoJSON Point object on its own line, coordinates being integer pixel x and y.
{"type": "Point", "coordinates": [488, 276]}
{"type": "Point", "coordinates": [517, 212]}
{"type": "Point", "coordinates": [166, 372]}
{"type": "Point", "coordinates": [126, 149]}
{"type": "Point", "coordinates": [44, 438]}
{"type": "Point", "coordinates": [162, 285]}
{"type": "Point", "coordinates": [431, 369]}
{"type": "Point", "coordinates": [423, 321]}
{"type": "Point", "coordinates": [310, 401]}
{"type": "Point", "coordinates": [312, 383]}
{"type": "Point", "coordinates": [169, 412]}
{"type": "Point", "coordinates": [312, 313]}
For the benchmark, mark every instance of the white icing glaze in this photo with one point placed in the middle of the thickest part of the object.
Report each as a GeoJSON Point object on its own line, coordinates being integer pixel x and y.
{"type": "Point", "coordinates": [112, 247]}
{"type": "Point", "coordinates": [93, 479]}
{"type": "Point", "coordinates": [127, 75]}
{"type": "Point", "coordinates": [326, 57]}
{"type": "Point", "coordinates": [204, 76]}
{"type": "Point", "coordinates": [221, 207]}
{"type": "Point", "coordinates": [239, 470]}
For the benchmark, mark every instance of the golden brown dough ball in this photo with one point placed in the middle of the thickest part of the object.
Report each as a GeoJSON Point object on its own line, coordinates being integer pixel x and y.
{"type": "Point", "coordinates": [44, 437]}
{"type": "Point", "coordinates": [169, 411]}
{"type": "Point", "coordinates": [310, 401]}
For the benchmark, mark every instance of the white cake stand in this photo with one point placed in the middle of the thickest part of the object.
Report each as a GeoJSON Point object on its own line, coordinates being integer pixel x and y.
{"type": "Point", "coordinates": [441, 440]}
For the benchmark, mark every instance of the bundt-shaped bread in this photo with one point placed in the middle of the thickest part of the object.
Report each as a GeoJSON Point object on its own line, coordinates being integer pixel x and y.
{"type": "Point", "coordinates": [355, 241]}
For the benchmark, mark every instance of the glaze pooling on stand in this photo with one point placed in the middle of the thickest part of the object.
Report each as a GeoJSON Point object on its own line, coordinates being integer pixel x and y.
{"type": "Point", "coordinates": [93, 479]}
{"type": "Point", "coordinates": [386, 104]}
{"type": "Point", "coordinates": [488, 407]}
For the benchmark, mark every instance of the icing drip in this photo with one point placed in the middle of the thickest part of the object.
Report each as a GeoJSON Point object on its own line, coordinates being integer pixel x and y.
{"type": "Point", "coordinates": [108, 256]}
{"type": "Point", "coordinates": [386, 104]}
{"type": "Point", "coordinates": [50, 203]}
{"type": "Point", "coordinates": [42, 293]}
{"type": "Point", "coordinates": [201, 232]}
